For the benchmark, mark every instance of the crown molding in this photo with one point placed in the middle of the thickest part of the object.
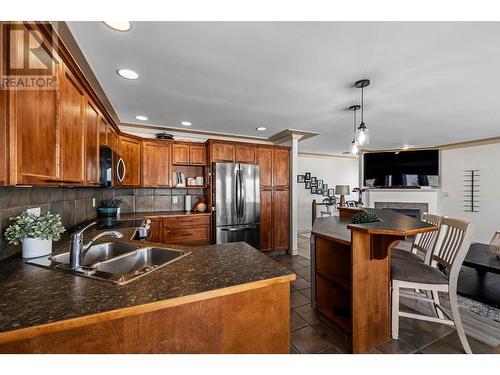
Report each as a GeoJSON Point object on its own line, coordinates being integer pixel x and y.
{"type": "Point", "coordinates": [316, 155]}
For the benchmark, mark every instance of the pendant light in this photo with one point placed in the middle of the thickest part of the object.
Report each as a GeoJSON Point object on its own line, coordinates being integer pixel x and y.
{"type": "Point", "coordinates": [362, 134]}
{"type": "Point", "coordinates": [354, 145]}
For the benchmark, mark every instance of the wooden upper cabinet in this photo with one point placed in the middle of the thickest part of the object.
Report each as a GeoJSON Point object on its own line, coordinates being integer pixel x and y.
{"type": "Point", "coordinates": [281, 219]}
{"type": "Point", "coordinates": [245, 154]}
{"type": "Point", "coordinates": [222, 152]}
{"type": "Point", "coordinates": [113, 139]}
{"type": "Point", "coordinates": [92, 130]}
{"type": "Point", "coordinates": [265, 161]}
{"type": "Point", "coordinates": [34, 120]}
{"type": "Point", "coordinates": [156, 164]}
{"type": "Point", "coordinates": [281, 167]}
{"type": "Point", "coordinates": [180, 153]}
{"type": "Point", "coordinates": [103, 132]}
{"type": "Point", "coordinates": [266, 220]}
{"type": "Point", "coordinates": [197, 154]}
{"type": "Point", "coordinates": [72, 129]}
{"type": "Point", "coordinates": [130, 152]}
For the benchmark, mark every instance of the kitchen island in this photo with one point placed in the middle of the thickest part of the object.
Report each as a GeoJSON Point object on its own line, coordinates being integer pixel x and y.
{"type": "Point", "coordinates": [351, 272]}
{"type": "Point", "coordinates": [219, 299]}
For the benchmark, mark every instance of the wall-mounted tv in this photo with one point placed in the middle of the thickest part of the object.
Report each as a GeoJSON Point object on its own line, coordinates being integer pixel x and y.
{"type": "Point", "coordinates": [406, 169]}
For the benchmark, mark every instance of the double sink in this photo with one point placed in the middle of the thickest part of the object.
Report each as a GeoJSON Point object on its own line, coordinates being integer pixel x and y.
{"type": "Point", "coordinates": [116, 262]}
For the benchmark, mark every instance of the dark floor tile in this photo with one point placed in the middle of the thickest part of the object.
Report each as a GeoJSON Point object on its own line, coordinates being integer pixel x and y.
{"type": "Point", "coordinates": [294, 266]}
{"type": "Point", "coordinates": [311, 340]}
{"type": "Point", "coordinates": [307, 278]}
{"type": "Point", "coordinates": [333, 350]}
{"type": "Point", "coordinates": [296, 322]}
{"type": "Point", "coordinates": [421, 333]}
{"type": "Point", "coordinates": [293, 350]}
{"type": "Point", "coordinates": [306, 271]}
{"type": "Point", "coordinates": [396, 347]}
{"type": "Point", "coordinates": [306, 292]}
{"type": "Point", "coordinates": [307, 313]}
{"type": "Point", "coordinates": [299, 258]}
{"type": "Point", "coordinates": [305, 262]}
{"type": "Point", "coordinates": [476, 346]}
{"type": "Point", "coordinates": [373, 351]}
{"type": "Point", "coordinates": [299, 283]}
{"type": "Point", "coordinates": [297, 299]}
{"type": "Point", "coordinates": [440, 347]}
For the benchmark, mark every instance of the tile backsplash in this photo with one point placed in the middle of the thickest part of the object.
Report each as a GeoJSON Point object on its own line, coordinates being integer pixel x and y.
{"type": "Point", "coordinates": [75, 204]}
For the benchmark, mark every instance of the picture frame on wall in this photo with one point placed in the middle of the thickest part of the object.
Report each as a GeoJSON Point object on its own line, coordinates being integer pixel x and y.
{"type": "Point", "coordinates": [308, 176]}
{"type": "Point", "coordinates": [331, 192]}
{"type": "Point", "coordinates": [320, 184]}
{"type": "Point", "coordinates": [301, 178]}
{"type": "Point", "coordinates": [325, 187]}
{"type": "Point", "coordinates": [319, 191]}
{"type": "Point", "coordinates": [325, 192]}
{"type": "Point", "coordinates": [314, 181]}
{"type": "Point", "coordinates": [313, 189]}
{"type": "Point", "coordinates": [308, 184]}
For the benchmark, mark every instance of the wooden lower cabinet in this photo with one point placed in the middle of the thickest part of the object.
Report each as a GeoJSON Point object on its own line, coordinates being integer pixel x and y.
{"type": "Point", "coordinates": [155, 230]}
{"type": "Point", "coordinates": [181, 229]}
{"type": "Point", "coordinates": [186, 236]}
{"type": "Point", "coordinates": [281, 219]}
{"type": "Point", "coordinates": [266, 220]}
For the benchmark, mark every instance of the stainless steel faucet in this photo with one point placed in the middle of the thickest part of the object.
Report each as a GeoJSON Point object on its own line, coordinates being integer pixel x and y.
{"type": "Point", "coordinates": [78, 249]}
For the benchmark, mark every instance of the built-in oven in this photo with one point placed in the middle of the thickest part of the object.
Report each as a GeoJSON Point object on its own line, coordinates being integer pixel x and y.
{"type": "Point", "coordinates": [112, 167]}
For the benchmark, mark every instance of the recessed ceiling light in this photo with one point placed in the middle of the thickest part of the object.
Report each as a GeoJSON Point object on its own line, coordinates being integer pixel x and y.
{"type": "Point", "coordinates": [128, 74]}
{"type": "Point", "coordinates": [185, 123]}
{"type": "Point", "coordinates": [118, 25]}
{"type": "Point", "coordinates": [261, 128]}
{"type": "Point", "coordinates": [142, 118]}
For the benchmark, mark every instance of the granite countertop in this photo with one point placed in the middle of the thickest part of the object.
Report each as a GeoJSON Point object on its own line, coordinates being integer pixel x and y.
{"type": "Point", "coordinates": [33, 296]}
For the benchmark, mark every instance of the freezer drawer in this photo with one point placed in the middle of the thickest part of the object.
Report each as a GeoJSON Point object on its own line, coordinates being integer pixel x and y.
{"type": "Point", "coordinates": [246, 233]}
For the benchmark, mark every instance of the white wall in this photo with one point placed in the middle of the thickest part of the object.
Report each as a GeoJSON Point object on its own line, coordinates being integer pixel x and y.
{"type": "Point", "coordinates": [486, 158]}
{"type": "Point", "coordinates": [333, 171]}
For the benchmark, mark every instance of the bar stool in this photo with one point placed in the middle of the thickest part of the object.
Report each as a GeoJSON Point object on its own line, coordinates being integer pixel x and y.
{"type": "Point", "coordinates": [455, 237]}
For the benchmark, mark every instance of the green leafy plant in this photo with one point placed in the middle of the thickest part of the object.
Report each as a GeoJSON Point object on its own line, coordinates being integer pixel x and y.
{"type": "Point", "coordinates": [44, 226]}
{"type": "Point", "coordinates": [111, 203]}
{"type": "Point", "coordinates": [364, 217]}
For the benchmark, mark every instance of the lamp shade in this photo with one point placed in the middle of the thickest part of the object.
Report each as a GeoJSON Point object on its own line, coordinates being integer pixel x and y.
{"type": "Point", "coordinates": [342, 189]}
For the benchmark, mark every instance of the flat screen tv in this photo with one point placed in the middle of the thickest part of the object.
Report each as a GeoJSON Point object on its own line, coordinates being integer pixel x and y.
{"type": "Point", "coordinates": [406, 169]}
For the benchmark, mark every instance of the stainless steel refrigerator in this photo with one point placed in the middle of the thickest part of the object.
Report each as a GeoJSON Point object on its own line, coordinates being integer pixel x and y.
{"type": "Point", "coordinates": [237, 203]}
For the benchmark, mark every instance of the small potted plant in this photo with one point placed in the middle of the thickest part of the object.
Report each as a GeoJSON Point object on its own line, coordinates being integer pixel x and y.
{"type": "Point", "coordinates": [330, 203]}
{"type": "Point", "coordinates": [360, 190]}
{"type": "Point", "coordinates": [109, 207]}
{"type": "Point", "coordinates": [35, 232]}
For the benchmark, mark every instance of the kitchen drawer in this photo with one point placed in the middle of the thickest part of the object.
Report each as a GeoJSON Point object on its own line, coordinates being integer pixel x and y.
{"type": "Point", "coordinates": [186, 236]}
{"type": "Point", "coordinates": [185, 221]}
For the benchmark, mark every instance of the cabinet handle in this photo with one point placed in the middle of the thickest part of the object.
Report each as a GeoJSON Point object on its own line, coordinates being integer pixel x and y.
{"type": "Point", "coordinates": [122, 177]}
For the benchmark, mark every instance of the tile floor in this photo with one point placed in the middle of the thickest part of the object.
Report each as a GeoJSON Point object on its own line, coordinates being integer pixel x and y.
{"type": "Point", "coordinates": [311, 333]}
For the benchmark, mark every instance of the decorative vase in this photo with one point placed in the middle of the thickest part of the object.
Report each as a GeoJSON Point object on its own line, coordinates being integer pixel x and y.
{"type": "Point", "coordinates": [107, 211]}
{"type": "Point", "coordinates": [35, 247]}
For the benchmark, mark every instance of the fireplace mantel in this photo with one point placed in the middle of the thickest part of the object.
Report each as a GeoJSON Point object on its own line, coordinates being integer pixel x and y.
{"type": "Point", "coordinates": [429, 195]}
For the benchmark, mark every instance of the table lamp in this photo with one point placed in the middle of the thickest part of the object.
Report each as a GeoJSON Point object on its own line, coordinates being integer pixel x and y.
{"type": "Point", "coordinates": [342, 190]}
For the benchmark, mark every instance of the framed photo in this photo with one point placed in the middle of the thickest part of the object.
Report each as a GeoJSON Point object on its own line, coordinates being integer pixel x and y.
{"type": "Point", "coordinates": [350, 204]}
{"type": "Point", "coordinates": [325, 187]}
{"type": "Point", "coordinates": [313, 189]}
{"type": "Point", "coordinates": [308, 176]}
{"type": "Point", "coordinates": [308, 184]}
{"type": "Point", "coordinates": [331, 192]}
{"type": "Point", "coordinates": [314, 181]}
{"type": "Point", "coordinates": [301, 178]}
{"type": "Point", "coordinates": [320, 184]}
{"type": "Point", "coordinates": [325, 192]}
{"type": "Point", "coordinates": [319, 191]}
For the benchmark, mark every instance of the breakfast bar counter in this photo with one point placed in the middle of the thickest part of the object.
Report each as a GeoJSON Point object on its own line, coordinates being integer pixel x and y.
{"type": "Point", "coordinates": [351, 272]}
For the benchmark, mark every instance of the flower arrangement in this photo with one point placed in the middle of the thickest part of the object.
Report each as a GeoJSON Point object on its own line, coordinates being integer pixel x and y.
{"type": "Point", "coordinates": [360, 190]}
{"type": "Point", "coordinates": [45, 226]}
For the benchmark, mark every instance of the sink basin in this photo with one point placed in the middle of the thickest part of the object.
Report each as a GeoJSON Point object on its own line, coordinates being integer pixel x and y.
{"type": "Point", "coordinates": [139, 262]}
{"type": "Point", "coordinates": [98, 253]}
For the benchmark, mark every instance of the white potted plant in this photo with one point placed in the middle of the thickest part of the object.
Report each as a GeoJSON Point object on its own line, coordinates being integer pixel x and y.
{"type": "Point", "coordinates": [330, 203]}
{"type": "Point", "coordinates": [35, 232]}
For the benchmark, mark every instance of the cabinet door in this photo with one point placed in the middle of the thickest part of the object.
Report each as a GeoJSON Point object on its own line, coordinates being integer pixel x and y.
{"type": "Point", "coordinates": [130, 151]}
{"type": "Point", "coordinates": [155, 230]}
{"type": "Point", "coordinates": [164, 161]}
{"type": "Point", "coordinates": [92, 128]}
{"type": "Point", "coordinates": [197, 155]}
{"type": "Point", "coordinates": [72, 129]}
{"type": "Point", "coordinates": [266, 222]}
{"type": "Point", "coordinates": [180, 154]}
{"type": "Point", "coordinates": [113, 139]}
{"type": "Point", "coordinates": [103, 132]}
{"type": "Point", "coordinates": [150, 164]}
{"type": "Point", "coordinates": [265, 161]}
{"type": "Point", "coordinates": [34, 120]}
{"type": "Point", "coordinates": [245, 154]}
{"type": "Point", "coordinates": [281, 167]}
{"type": "Point", "coordinates": [281, 219]}
{"type": "Point", "coordinates": [222, 152]}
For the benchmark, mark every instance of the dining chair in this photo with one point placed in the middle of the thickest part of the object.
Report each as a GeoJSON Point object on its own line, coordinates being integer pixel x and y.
{"type": "Point", "coordinates": [495, 243]}
{"type": "Point", "coordinates": [454, 239]}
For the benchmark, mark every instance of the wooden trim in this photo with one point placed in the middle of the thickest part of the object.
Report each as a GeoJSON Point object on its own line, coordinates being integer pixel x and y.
{"type": "Point", "coordinates": [395, 232]}
{"type": "Point", "coordinates": [29, 332]}
{"type": "Point", "coordinates": [318, 155]}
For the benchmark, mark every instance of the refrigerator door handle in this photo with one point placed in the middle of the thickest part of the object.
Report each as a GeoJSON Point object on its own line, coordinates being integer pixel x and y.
{"type": "Point", "coordinates": [242, 195]}
{"type": "Point", "coordinates": [237, 194]}
{"type": "Point", "coordinates": [238, 229]}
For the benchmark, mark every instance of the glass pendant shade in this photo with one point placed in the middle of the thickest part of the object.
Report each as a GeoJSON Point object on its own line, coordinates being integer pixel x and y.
{"type": "Point", "coordinates": [354, 148]}
{"type": "Point", "coordinates": [362, 136]}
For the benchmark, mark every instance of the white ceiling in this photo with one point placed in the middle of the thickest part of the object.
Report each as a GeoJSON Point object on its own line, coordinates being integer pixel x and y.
{"type": "Point", "coordinates": [432, 83]}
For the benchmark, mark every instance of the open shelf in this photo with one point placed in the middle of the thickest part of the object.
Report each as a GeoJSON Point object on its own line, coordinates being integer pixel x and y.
{"type": "Point", "coordinates": [343, 281]}
{"type": "Point", "coordinates": [343, 322]}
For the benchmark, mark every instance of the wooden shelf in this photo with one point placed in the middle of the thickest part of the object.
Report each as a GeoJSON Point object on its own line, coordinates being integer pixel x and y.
{"type": "Point", "coordinates": [344, 323]}
{"type": "Point", "coordinates": [342, 281]}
